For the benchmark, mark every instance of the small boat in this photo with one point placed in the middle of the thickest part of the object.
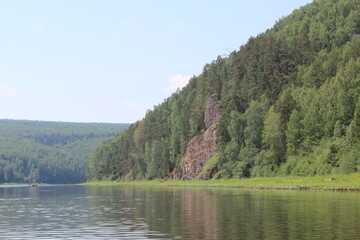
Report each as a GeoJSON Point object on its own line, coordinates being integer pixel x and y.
{"type": "Point", "coordinates": [33, 185]}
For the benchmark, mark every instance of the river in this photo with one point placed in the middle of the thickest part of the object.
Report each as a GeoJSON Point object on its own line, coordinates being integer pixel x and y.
{"type": "Point", "coordinates": [164, 212]}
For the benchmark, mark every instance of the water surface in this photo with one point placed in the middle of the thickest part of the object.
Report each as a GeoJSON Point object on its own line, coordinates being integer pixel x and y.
{"type": "Point", "coordinates": [159, 212]}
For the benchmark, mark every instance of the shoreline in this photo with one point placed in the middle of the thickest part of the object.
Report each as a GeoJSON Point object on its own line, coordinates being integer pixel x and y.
{"type": "Point", "coordinates": [349, 182]}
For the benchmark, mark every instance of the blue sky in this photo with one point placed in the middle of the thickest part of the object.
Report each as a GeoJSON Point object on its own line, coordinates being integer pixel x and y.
{"type": "Point", "coordinates": [112, 60]}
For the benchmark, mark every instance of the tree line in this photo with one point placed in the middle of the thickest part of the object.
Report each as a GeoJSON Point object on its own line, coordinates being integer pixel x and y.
{"type": "Point", "coordinates": [49, 152]}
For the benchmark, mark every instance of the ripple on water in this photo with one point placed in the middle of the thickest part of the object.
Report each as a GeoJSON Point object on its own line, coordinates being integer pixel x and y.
{"type": "Point", "coordinates": [77, 212]}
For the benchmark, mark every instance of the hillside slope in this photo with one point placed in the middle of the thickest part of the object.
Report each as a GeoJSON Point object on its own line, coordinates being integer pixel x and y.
{"type": "Point", "coordinates": [289, 101]}
{"type": "Point", "coordinates": [49, 152]}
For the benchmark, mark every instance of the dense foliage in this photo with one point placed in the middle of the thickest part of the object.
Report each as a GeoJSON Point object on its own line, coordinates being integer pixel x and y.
{"type": "Point", "coordinates": [290, 99]}
{"type": "Point", "coordinates": [49, 152]}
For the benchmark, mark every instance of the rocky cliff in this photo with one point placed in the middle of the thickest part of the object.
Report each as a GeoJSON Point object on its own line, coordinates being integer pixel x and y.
{"type": "Point", "coordinates": [203, 147]}
{"type": "Point", "coordinates": [213, 111]}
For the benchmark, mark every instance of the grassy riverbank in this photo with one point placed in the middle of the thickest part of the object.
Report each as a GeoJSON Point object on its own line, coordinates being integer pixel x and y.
{"type": "Point", "coordinates": [341, 182]}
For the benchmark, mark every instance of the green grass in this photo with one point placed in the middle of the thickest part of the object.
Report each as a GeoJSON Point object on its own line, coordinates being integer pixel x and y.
{"type": "Point", "coordinates": [341, 182]}
{"type": "Point", "coordinates": [210, 164]}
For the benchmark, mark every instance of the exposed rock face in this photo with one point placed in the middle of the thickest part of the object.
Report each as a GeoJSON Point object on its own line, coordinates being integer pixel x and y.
{"type": "Point", "coordinates": [198, 151]}
{"type": "Point", "coordinates": [203, 147]}
{"type": "Point", "coordinates": [213, 111]}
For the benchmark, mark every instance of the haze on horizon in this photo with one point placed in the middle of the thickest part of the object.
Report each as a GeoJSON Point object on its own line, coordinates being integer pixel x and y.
{"type": "Point", "coordinates": [111, 61]}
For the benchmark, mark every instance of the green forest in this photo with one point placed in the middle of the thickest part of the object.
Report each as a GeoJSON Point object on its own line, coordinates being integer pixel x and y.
{"type": "Point", "coordinates": [49, 152]}
{"type": "Point", "coordinates": [290, 99]}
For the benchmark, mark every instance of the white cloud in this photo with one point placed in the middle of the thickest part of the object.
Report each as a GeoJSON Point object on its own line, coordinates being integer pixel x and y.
{"type": "Point", "coordinates": [132, 104]}
{"type": "Point", "coordinates": [7, 92]}
{"type": "Point", "coordinates": [177, 81]}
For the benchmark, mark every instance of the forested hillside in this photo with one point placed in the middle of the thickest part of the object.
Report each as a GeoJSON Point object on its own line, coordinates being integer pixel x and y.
{"type": "Point", "coordinates": [290, 103]}
{"type": "Point", "coordinates": [49, 152]}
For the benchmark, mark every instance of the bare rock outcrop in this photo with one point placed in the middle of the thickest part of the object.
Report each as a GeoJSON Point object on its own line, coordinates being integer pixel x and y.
{"type": "Point", "coordinates": [212, 112]}
{"type": "Point", "coordinates": [203, 147]}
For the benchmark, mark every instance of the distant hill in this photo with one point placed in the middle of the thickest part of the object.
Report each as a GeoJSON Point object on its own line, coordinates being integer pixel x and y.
{"type": "Point", "coordinates": [49, 152]}
{"type": "Point", "coordinates": [286, 103]}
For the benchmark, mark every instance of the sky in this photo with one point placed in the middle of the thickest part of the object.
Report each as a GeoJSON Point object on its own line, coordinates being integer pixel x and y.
{"type": "Point", "coordinates": [112, 60]}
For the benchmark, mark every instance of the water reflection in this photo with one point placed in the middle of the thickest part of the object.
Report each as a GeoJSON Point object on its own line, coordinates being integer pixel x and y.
{"type": "Point", "coordinates": [158, 212]}
{"type": "Point", "coordinates": [197, 213]}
